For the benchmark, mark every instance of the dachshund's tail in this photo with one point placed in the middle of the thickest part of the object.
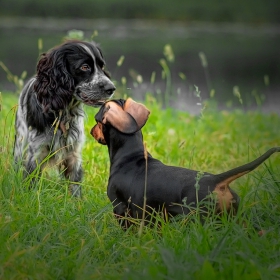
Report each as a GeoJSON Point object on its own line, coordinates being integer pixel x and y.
{"type": "Point", "coordinates": [226, 198]}
{"type": "Point", "coordinates": [226, 177]}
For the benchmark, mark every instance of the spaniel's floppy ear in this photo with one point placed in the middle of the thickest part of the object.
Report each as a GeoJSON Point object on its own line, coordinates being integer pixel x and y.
{"type": "Point", "coordinates": [129, 119]}
{"type": "Point", "coordinates": [54, 85]}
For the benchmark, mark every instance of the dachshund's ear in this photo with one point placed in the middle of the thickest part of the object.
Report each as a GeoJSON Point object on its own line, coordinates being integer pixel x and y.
{"type": "Point", "coordinates": [129, 119]}
{"type": "Point", "coordinates": [138, 111]}
{"type": "Point", "coordinates": [54, 85]}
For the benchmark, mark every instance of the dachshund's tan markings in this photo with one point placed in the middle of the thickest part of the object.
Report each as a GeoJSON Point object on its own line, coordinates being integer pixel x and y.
{"type": "Point", "coordinates": [224, 196]}
{"type": "Point", "coordinates": [98, 134]}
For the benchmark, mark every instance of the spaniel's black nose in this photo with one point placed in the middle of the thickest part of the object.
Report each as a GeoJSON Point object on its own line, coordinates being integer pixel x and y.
{"type": "Point", "coordinates": [109, 88]}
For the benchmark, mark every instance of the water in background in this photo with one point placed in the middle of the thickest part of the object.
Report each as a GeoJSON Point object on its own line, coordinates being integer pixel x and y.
{"type": "Point", "coordinates": [221, 60]}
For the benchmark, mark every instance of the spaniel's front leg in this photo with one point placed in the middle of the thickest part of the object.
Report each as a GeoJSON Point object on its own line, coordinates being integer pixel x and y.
{"type": "Point", "coordinates": [37, 154]}
{"type": "Point", "coordinates": [72, 166]}
{"type": "Point", "coordinates": [73, 136]}
{"type": "Point", "coordinates": [74, 172]}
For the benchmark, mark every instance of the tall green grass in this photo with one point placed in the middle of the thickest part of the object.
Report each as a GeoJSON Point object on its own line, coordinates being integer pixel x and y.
{"type": "Point", "coordinates": [46, 234]}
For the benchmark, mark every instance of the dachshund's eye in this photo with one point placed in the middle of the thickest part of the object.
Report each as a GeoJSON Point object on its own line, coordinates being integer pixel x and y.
{"type": "Point", "coordinates": [85, 67]}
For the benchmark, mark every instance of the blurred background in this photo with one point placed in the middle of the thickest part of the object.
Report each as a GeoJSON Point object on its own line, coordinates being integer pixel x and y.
{"type": "Point", "coordinates": [181, 52]}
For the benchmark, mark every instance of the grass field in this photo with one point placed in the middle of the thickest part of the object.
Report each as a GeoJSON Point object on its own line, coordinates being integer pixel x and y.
{"type": "Point", "coordinates": [46, 234]}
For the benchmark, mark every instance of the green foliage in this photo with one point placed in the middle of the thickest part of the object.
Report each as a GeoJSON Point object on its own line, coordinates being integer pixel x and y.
{"type": "Point", "coordinates": [17, 81]}
{"type": "Point", "coordinates": [46, 234]}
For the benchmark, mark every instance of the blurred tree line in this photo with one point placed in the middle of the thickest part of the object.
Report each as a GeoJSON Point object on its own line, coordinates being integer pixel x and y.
{"type": "Point", "coordinates": [246, 11]}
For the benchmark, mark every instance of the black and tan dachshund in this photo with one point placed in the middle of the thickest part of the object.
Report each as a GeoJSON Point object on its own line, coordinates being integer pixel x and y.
{"type": "Point", "coordinates": [119, 124]}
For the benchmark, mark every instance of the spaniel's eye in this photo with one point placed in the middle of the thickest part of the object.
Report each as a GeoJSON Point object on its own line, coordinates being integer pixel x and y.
{"type": "Point", "coordinates": [85, 67]}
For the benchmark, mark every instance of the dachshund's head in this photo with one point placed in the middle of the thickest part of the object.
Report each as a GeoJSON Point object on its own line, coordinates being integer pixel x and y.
{"type": "Point", "coordinates": [126, 116]}
{"type": "Point", "coordinates": [74, 69]}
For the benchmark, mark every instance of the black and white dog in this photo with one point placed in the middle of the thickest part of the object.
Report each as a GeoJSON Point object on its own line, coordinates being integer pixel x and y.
{"type": "Point", "coordinates": [49, 120]}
